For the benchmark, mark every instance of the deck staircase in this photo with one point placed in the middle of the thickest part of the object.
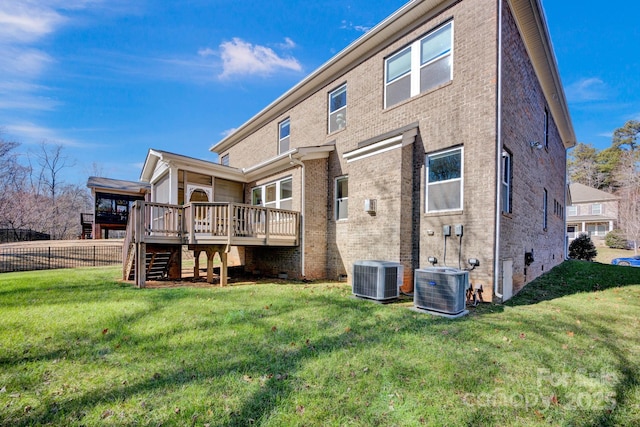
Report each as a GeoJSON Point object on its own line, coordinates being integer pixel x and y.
{"type": "Point", "coordinates": [156, 265]}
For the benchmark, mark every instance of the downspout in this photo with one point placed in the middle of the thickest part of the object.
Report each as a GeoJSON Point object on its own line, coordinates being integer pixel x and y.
{"type": "Point", "coordinates": [293, 161]}
{"type": "Point", "coordinates": [496, 256]}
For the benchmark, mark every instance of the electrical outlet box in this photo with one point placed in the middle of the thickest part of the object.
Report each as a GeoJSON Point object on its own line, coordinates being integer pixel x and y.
{"type": "Point", "coordinates": [458, 229]}
{"type": "Point", "coordinates": [446, 230]}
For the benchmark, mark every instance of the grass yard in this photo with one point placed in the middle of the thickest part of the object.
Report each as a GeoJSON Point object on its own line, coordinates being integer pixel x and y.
{"type": "Point", "coordinates": [77, 348]}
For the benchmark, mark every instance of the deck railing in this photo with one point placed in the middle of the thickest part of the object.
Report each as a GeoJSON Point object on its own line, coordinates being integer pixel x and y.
{"type": "Point", "coordinates": [234, 220]}
{"type": "Point", "coordinates": [198, 221]}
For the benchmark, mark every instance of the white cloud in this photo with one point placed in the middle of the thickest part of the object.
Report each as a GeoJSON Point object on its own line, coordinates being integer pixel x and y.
{"type": "Point", "coordinates": [226, 133]}
{"type": "Point", "coordinates": [587, 90]}
{"type": "Point", "coordinates": [347, 25]}
{"type": "Point", "coordinates": [25, 22]}
{"type": "Point", "coordinates": [31, 133]}
{"type": "Point", "coordinates": [243, 58]}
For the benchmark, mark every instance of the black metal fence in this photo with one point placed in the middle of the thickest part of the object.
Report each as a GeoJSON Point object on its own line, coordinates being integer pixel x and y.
{"type": "Point", "coordinates": [48, 257]}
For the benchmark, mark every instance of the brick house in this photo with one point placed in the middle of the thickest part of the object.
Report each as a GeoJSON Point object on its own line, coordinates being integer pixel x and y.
{"type": "Point", "coordinates": [447, 113]}
{"type": "Point", "coordinates": [592, 211]}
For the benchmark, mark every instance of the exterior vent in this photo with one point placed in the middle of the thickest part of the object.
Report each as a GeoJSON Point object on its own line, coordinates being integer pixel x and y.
{"type": "Point", "coordinates": [441, 290]}
{"type": "Point", "coordinates": [377, 280]}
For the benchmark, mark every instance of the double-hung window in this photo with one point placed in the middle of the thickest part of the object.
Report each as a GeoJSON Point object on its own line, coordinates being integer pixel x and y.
{"type": "Point", "coordinates": [545, 207]}
{"type": "Point", "coordinates": [278, 194]}
{"type": "Point", "coordinates": [338, 109]}
{"type": "Point", "coordinates": [283, 136]}
{"type": "Point", "coordinates": [546, 128]}
{"type": "Point", "coordinates": [342, 197]}
{"type": "Point", "coordinates": [444, 181]}
{"type": "Point", "coordinates": [423, 65]}
{"type": "Point", "coordinates": [224, 160]}
{"type": "Point", "coordinates": [506, 182]}
{"type": "Point", "coordinates": [596, 209]}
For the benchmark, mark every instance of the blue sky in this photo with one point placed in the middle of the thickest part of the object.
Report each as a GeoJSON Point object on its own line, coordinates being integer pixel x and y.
{"type": "Point", "coordinates": [109, 79]}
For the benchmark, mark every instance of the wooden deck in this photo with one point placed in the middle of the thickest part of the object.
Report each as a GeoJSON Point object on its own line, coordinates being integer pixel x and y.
{"type": "Point", "coordinates": [216, 226]}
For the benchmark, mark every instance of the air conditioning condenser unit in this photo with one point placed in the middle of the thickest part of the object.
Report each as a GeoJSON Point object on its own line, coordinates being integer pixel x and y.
{"type": "Point", "coordinates": [441, 291]}
{"type": "Point", "coordinates": [377, 280]}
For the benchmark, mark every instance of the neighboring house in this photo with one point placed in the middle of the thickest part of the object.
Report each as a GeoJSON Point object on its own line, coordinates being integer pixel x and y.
{"type": "Point", "coordinates": [592, 211]}
{"type": "Point", "coordinates": [448, 113]}
{"type": "Point", "coordinates": [113, 200]}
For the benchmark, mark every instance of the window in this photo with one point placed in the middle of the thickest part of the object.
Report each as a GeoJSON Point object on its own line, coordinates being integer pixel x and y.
{"type": "Point", "coordinates": [506, 182]}
{"type": "Point", "coordinates": [444, 181]}
{"type": "Point", "coordinates": [596, 209]}
{"type": "Point", "coordinates": [546, 128]}
{"type": "Point", "coordinates": [544, 209]}
{"type": "Point", "coordinates": [597, 229]}
{"type": "Point", "coordinates": [342, 197]}
{"type": "Point", "coordinates": [224, 160]}
{"type": "Point", "coordinates": [283, 136]}
{"type": "Point", "coordinates": [338, 109]}
{"type": "Point", "coordinates": [278, 194]}
{"type": "Point", "coordinates": [572, 211]}
{"type": "Point", "coordinates": [425, 64]}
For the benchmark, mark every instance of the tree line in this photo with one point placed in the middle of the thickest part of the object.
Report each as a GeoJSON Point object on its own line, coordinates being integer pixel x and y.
{"type": "Point", "coordinates": [616, 170]}
{"type": "Point", "coordinates": [34, 197]}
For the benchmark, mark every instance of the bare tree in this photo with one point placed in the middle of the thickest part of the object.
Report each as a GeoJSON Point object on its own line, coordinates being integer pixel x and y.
{"type": "Point", "coordinates": [627, 176]}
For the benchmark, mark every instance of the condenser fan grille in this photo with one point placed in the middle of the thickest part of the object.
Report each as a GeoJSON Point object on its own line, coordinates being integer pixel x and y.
{"type": "Point", "coordinates": [378, 280]}
{"type": "Point", "coordinates": [441, 289]}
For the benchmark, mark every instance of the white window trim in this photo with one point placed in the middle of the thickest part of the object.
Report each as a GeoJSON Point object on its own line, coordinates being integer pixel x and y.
{"type": "Point", "coordinates": [461, 179]}
{"type": "Point", "coordinates": [416, 66]}
{"type": "Point", "coordinates": [336, 199]}
{"type": "Point", "coordinates": [507, 181]}
{"type": "Point", "coordinates": [339, 88]}
{"type": "Point", "coordinates": [263, 189]}
{"type": "Point", "coordinates": [596, 211]}
{"type": "Point", "coordinates": [280, 138]}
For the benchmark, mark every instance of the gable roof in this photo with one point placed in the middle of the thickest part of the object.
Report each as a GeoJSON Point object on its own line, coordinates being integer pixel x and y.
{"type": "Point", "coordinates": [530, 20]}
{"type": "Point", "coordinates": [581, 193]}
{"type": "Point", "coordinates": [158, 162]}
{"type": "Point", "coordinates": [98, 182]}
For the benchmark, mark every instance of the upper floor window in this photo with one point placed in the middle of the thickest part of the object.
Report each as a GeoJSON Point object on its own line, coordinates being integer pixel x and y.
{"type": "Point", "coordinates": [506, 182]}
{"type": "Point", "coordinates": [572, 211]}
{"type": "Point", "coordinates": [546, 128]}
{"type": "Point", "coordinates": [224, 160]}
{"type": "Point", "coordinates": [283, 136]}
{"type": "Point", "coordinates": [342, 197]}
{"type": "Point", "coordinates": [444, 180]}
{"type": "Point", "coordinates": [545, 207]}
{"type": "Point", "coordinates": [278, 194]}
{"type": "Point", "coordinates": [338, 109]}
{"type": "Point", "coordinates": [423, 65]}
{"type": "Point", "coordinates": [596, 209]}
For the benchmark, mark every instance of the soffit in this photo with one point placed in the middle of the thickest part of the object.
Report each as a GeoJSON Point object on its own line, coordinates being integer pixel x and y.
{"type": "Point", "coordinates": [531, 22]}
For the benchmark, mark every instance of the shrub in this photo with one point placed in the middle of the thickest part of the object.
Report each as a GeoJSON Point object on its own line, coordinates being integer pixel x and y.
{"type": "Point", "coordinates": [616, 239]}
{"type": "Point", "coordinates": [582, 248]}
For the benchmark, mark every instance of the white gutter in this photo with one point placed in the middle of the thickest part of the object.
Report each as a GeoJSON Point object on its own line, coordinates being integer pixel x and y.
{"type": "Point", "coordinates": [496, 256]}
{"type": "Point", "coordinates": [293, 161]}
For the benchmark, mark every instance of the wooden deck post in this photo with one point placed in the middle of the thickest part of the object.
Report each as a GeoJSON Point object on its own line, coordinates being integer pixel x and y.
{"type": "Point", "coordinates": [223, 268]}
{"type": "Point", "coordinates": [196, 264]}
{"type": "Point", "coordinates": [211, 253]}
{"type": "Point", "coordinates": [141, 264]}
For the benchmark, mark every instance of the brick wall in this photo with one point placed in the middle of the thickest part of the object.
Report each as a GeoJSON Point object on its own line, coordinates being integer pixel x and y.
{"type": "Point", "coordinates": [462, 113]}
{"type": "Point", "coordinates": [533, 170]}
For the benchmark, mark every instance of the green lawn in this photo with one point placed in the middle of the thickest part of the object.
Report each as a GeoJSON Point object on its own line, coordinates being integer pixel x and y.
{"type": "Point", "coordinates": [77, 348]}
